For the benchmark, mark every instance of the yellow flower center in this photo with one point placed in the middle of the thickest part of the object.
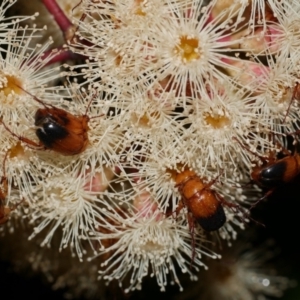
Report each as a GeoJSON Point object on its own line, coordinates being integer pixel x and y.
{"type": "Point", "coordinates": [139, 8]}
{"type": "Point", "coordinates": [188, 48]}
{"type": "Point", "coordinates": [16, 151]}
{"type": "Point", "coordinates": [12, 85]}
{"type": "Point", "coordinates": [217, 121]}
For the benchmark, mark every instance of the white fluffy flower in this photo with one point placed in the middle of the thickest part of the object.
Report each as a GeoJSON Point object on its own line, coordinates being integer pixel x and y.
{"type": "Point", "coordinates": [274, 94]}
{"type": "Point", "coordinates": [191, 48]}
{"type": "Point", "coordinates": [182, 42]}
{"type": "Point", "coordinates": [9, 25]}
{"type": "Point", "coordinates": [145, 242]}
{"type": "Point", "coordinates": [221, 124]}
{"type": "Point", "coordinates": [284, 33]}
{"type": "Point", "coordinates": [71, 202]}
{"type": "Point", "coordinates": [21, 72]}
{"type": "Point", "coordinates": [120, 34]}
{"type": "Point", "coordinates": [157, 176]}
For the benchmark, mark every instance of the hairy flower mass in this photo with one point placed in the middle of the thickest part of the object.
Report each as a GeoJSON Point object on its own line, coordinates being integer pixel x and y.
{"type": "Point", "coordinates": [148, 239]}
{"type": "Point", "coordinates": [132, 137]}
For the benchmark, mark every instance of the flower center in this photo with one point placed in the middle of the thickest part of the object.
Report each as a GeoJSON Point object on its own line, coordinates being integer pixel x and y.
{"type": "Point", "coordinates": [16, 151]}
{"type": "Point", "coordinates": [217, 121]}
{"type": "Point", "coordinates": [174, 172]}
{"type": "Point", "coordinates": [118, 60]}
{"type": "Point", "coordinates": [11, 85]}
{"type": "Point", "coordinates": [146, 120]}
{"type": "Point", "coordinates": [188, 48]}
{"type": "Point", "coordinates": [139, 8]}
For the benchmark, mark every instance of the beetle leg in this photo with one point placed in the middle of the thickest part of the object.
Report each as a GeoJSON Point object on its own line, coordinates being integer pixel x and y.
{"type": "Point", "coordinates": [16, 205]}
{"type": "Point", "coordinates": [176, 212]}
{"type": "Point", "coordinates": [191, 223]}
{"type": "Point", "coordinates": [266, 195]}
{"type": "Point", "coordinates": [24, 139]}
{"type": "Point", "coordinates": [178, 208]}
{"type": "Point", "coordinates": [264, 159]}
{"type": "Point", "coordinates": [290, 104]}
{"type": "Point", "coordinates": [235, 208]}
{"type": "Point", "coordinates": [212, 182]}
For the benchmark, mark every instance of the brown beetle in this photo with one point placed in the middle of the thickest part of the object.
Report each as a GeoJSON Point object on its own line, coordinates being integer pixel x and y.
{"type": "Point", "coordinates": [203, 204]}
{"type": "Point", "coordinates": [58, 130]}
{"type": "Point", "coordinates": [276, 172]}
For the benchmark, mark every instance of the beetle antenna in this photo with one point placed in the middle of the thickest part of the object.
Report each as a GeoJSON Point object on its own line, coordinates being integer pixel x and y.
{"type": "Point", "coordinates": [290, 104]}
{"type": "Point", "coordinates": [30, 144]}
{"type": "Point", "coordinates": [90, 102]}
{"type": "Point", "coordinates": [89, 105]}
{"type": "Point", "coordinates": [263, 158]}
{"type": "Point", "coordinates": [33, 96]}
{"type": "Point", "coordinates": [82, 18]}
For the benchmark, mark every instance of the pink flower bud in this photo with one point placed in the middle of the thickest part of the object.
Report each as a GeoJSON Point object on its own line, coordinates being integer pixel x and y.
{"type": "Point", "coordinates": [99, 181]}
{"type": "Point", "coordinates": [250, 74]}
{"type": "Point", "coordinates": [145, 206]}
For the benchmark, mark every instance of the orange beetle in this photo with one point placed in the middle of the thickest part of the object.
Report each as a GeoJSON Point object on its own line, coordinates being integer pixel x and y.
{"type": "Point", "coordinates": [277, 172]}
{"type": "Point", "coordinates": [58, 130]}
{"type": "Point", "coordinates": [204, 204]}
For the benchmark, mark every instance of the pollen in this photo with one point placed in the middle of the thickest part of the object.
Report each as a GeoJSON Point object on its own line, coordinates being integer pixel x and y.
{"type": "Point", "coordinates": [118, 60]}
{"type": "Point", "coordinates": [284, 95]}
{"type": "Point", "coordinates": [217, 121]}
{"type": "Point", "coordinates": [17, 151]}
{"type": "Point", "coordinates": [174, 172]}
{"type": "Point", "coordinates": [146, 120]}
{"type": "Point", "coordinates": [11, 85]}
{"type": "Point", "coordinates": [188, 48]}
{"type": "Point", "coordinates": [139, 10]}
{"type": "Point", "coordinates": [151, 246]}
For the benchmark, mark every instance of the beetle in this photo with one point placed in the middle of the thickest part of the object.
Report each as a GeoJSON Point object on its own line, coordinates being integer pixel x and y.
{"type": "Point", "coordinates": [58, 130]}
{"type": "Point", "coordinates": [204, 204]}
{"type": "Point", "coordinates": [277, 172]}
{"type": "Point", "coordinates": [274, 172]}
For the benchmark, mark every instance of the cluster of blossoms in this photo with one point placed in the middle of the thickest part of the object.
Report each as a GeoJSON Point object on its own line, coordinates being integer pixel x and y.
{"type": "Point", "coordinates": [91, 153]}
